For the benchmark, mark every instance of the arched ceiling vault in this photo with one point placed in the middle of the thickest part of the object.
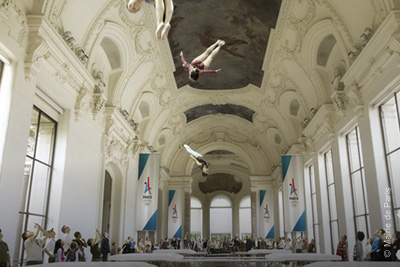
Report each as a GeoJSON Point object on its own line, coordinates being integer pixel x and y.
{"type": "Point", "coordinates": [150, 71]}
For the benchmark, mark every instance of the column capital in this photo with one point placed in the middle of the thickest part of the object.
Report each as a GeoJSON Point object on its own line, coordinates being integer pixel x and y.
{"type": "Point", "coordinates": [258, 182]}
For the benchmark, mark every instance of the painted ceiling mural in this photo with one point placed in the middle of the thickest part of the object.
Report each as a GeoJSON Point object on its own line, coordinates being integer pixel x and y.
{"type": "Point", "coordinates": [220, 182]}
{"type": "Point", "coordinates": [244, 26]}
{"type": "Point", "coordinates": [210, 109]}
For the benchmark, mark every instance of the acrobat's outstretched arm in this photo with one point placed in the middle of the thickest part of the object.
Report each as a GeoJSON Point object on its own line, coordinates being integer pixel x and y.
{"type": "Point", "coordinates": [195, 161]}
{"type": "Point", "coordinates": [202, 72]}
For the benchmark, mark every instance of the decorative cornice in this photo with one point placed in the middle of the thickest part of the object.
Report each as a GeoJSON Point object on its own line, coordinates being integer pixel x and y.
{"type": "Point", "coordinates": [382, 45]}
{"type": "Point", "coordinates": [321, 125]}
{"type": "Point", "coordinates": [9, 7]}
{"type": "Point", "coordinates": [341, 102]}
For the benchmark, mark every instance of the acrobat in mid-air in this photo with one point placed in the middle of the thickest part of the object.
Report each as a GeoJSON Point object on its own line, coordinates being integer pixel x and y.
{"type": "Point", "coordinates": [162, 6]}
{"type": "Point", "coordinates": [200, 64]}
{"type": "Point", "coordinates": [198, 159]}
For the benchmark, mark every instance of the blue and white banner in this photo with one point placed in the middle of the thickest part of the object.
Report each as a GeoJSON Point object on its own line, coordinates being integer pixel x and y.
{"type": "Point", "coordinates": [147, 192]}
{"type": "Point", "coordinates": [175, 213]}
{"type": "Point", "coordinates": [266, 213]}
{"type": "Point", "coordinates": [293, 193]}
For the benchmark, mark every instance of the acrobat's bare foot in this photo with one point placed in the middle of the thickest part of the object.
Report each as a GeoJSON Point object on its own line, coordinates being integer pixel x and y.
{"type": "Point", "coordinates": [159, 30]}
{"type": "Point", "coordinates": [221, 42]}
{"type": "Point", "coordinates": [165, 31]}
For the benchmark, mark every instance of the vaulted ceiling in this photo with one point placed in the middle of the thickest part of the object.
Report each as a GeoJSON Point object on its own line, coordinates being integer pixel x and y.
{"type": "Point", "coordinates": [277, 65]}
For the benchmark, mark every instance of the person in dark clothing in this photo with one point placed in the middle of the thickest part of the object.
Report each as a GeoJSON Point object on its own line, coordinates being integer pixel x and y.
{"type": "Point", "coordinates": [81, 245]}
{"type": "Point", "coordinates": [93, 243]}
{"type": "Point", "coordinates": [249, 244]}
{"type": "Point", "coordinates": [4, 253]}
{"type": "Point", "coordinates": [105, 246]}
{"type": "Point", "coordinates": [186, 241]}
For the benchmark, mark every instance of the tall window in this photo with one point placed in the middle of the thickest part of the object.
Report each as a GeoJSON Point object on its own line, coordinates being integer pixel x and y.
{"type": "Point", "coordinates": [391, 131]}
{"type": "Point", "coordinates": [221, 218]}
{"type": "Point", "coordinates": [357, 180]}
{"type": "Point", "coordinates": [196, 218]}
{"type": "Point", "coordinates": [38, 169]}
{"type": "Point", "coordinates": [245, 217]}
{"type": "Point", "coordinates": [330, 182]}
{"type": "Point", "coordinates": [314, 205]}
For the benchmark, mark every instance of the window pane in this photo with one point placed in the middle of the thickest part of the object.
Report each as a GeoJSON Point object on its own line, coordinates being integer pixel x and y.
{"type": "Point", "coordinates": [38, 198]}
{"type": "Point", "coordinates": [245, 203]}
{"type": "Point", "coordinates": [332, 202]}
{"type": "Point", "coordinates": [360, 147]}
{"type": "Point", "coordinates": [329, 167]}
{"type": "Point", "coordinates": [365, 190]}
{"type": "Point", "coordinates": [220, 220]}
{"type": "Point", "coordinates": [390, 123]}
{"type": "Point", "coordinates": [353, 151]}
{"type": "Point", "coordinates": [220, 202]}
{"type": "Point", "coordinates": [32, 220]}
{"type": "Point", "coordinates": [32, 133]}
{"type": "Point", "coordinates": [394, 170]}
{"type": "Point", "coordinates": [45, 140]}
{"type": "Point", "coordinates": [358, 193]}
{"type": "Point", "coordinates": [361, 224]}
{"type": "Point", "coordinates": [312, 179]}
{"type": "Point", "coordinates": [335, 235]}
{"type": "Point", "coordinates": [27, 175]}
{"type": "Point", "coordinates": [195, 203]}
{"type": "Point", "coordinates": [195, 221]}
{"type": "Point", "coordinates": [314, 204]}
{"type": "Point", "coordinates": [245, 220]}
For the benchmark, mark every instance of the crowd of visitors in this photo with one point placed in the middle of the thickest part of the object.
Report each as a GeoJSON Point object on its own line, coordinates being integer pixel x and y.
{"type": "Point", "coordinates": [64, 249]}
{"type": "Point", "coordinates": [381, 247]}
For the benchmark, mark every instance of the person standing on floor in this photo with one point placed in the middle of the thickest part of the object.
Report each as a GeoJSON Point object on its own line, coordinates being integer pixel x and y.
{"type": "Point", "coordinates": [34, 245]}
{"type": "Point", "coordinates": [105, 246]}
{"type": "Point", "coordinates": [358, 252]}
{"type": "Point", "coordinates": [66, 238]}
{"type": "Point", "coordinates": [342, 248]}
{"type": "Point", "coordinates": [49, 249]}
{"type": "Point", "coordinates": [4, 253]}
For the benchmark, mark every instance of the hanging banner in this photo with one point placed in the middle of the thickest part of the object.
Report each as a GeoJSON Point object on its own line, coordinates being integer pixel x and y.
{"type": "Point", "coordinates": [293, 193]}
{"type": "Point", "coordinates": [175, 212]}
{"type": "Point", "coordinates": [266, 213]}
{"type": "Point", "coordinates": [147, 192]}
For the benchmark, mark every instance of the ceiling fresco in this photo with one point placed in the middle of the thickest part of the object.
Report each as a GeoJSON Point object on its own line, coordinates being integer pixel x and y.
{"type": "Point", "coordinates": [220, 182]}
{"type": "Point", "coordinates": [244, 25]}
{"type": "Point", "coordinates": [210, 109]}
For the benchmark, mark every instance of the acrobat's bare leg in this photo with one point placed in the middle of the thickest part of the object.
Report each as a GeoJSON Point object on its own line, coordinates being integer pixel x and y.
{"type": "Point", "coordinates": [159, 16]}
{"type": "Point", "coordinates": [210, 58]}
{"type": "Point", "coordinates": [169, 9]}
{"type": "Point", "coordinates": [206, 53]}
{"type": "Point", "coordinates": [191, 151]}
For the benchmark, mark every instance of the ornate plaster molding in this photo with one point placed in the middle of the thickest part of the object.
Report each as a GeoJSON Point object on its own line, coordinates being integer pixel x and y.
{"type": "Point", "coordinates": [9, 8]}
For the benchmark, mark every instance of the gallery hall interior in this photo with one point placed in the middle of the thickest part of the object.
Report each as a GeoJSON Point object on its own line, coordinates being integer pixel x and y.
{"type": "Point", "coordinates": [200, 132]}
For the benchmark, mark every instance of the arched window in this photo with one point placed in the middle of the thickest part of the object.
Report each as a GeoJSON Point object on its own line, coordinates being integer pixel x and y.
{"type": "Point", "coordinates": [221, 218]}
{"type": "Point", "coordinates": [196, 218]}
{"type": "Point", "coordinates": [245, 217]}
